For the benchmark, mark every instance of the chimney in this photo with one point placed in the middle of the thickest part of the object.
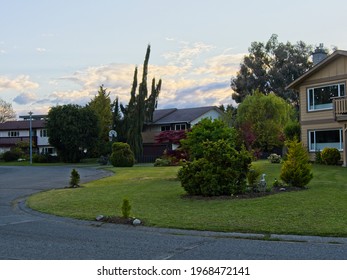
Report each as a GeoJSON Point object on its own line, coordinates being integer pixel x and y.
{"type": "Point", "coordinates": [319, 54]}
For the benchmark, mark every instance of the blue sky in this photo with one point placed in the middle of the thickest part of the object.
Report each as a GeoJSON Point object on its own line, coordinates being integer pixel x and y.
{"type": "Point", "coordinates": [54, 52]}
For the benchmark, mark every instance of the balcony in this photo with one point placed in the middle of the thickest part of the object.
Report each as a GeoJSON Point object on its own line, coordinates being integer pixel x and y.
{"type": "Point", "coordinates": [340, 109]}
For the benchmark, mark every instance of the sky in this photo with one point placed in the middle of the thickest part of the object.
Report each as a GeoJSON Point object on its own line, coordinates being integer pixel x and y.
{"type": "Point", "coordinates": [56, 52]}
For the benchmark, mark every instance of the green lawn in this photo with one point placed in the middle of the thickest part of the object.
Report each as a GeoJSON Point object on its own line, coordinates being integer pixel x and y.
{"type": "Point", "coordinates": [157, 198]}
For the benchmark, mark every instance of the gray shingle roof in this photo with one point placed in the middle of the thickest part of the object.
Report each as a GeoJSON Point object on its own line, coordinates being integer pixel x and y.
{"type": "Point", "coordinates": [166, 116]}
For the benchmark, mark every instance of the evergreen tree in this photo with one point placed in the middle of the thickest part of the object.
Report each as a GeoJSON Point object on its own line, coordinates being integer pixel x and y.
{"type": "Point", "coordinates": [296, 169]}
{"type": "Point", "coordinates": [139, 110]}
{"type": "Point", "coordinates": [101, 105]}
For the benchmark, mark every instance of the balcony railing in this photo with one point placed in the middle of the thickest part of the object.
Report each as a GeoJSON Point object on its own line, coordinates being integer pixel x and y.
{"type": "Point", "coordinates": [340, 109]}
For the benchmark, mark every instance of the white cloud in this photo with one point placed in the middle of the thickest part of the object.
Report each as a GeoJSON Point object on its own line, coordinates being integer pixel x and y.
{"type": "Point", "coordinates": [41, 50]}
{"type": "Point", "coordinates": [25, 98]}
{"type": "Point", "coordinates": [183, 83]}
{"type": "Point", "coordinates": [20, 83]}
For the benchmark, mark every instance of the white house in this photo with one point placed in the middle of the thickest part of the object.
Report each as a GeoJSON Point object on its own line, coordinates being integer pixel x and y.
{"type": "Point", "coordinates": [13, 132]}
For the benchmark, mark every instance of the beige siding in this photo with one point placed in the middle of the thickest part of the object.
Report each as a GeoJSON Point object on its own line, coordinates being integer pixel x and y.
{"type": "Point", "coordinates": [327, 75]}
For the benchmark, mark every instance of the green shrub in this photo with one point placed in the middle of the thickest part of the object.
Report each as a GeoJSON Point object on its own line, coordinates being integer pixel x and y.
{"type": "Point", "coordinates": [330, 156]}
{"type": "Point", "coordinates": [74, 179]}
{"type": "Point", "coordinates": [296, 169]}
{"type": "Point", "coordinates": [11, 156]}
{"type": "Point", "coordinates": [252, 177]}
{"type": "Point", "coordinates": [274, 158]}
{"type": "Point", "coordinates": [122, 155]}
{"type": "Point", "coordinates": [162, 162]}
{"type": "Point", "coordinates": [126, 207]}
{"type": "Point", "coordinates": [292, 130]}
{"type": "Point", "coordinates": [318, 157]}
{"type": "Point", "coordinates": [222, 170]}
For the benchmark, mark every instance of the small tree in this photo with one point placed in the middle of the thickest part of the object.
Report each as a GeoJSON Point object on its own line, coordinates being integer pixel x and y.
{"type": "Point", "coordinates": [122, 155]}
{"type": "Point", "coordinates": [74, 179]}
{"type": "Point", "coordinates": [296, 169]}
{"type": "Point", "coordinates": [126, 207]}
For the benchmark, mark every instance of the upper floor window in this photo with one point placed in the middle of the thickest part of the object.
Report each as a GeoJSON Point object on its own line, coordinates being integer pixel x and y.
{"type": "Point", "coordinates": [43, 133]}
{"type": "Point", "coordinates": [13, 134]}
{"type": "Point", "coordinates": [320, 98]}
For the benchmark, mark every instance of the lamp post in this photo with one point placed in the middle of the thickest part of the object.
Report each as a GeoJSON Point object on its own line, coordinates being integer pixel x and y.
{"type": "Point", "coordinates": [30, 138]}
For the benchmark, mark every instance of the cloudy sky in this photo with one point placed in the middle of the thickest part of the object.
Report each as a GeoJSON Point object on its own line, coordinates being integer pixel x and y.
{"type": "Point", "coordinates": [54, 52]}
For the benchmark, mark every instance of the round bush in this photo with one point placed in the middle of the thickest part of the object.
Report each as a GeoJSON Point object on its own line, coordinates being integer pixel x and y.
{"type": "Point", "coordinates": [221, 171]}
{"type": "Point", "coordinates": [122, 155]}
{"type": "Point", "coordinates": [330, 156]}
{"type": "Point", "coordinates": [10, 156]}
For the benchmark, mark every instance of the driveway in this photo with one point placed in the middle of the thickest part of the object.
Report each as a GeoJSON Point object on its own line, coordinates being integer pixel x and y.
{"type": "Point", "coordinates": [27, 234]}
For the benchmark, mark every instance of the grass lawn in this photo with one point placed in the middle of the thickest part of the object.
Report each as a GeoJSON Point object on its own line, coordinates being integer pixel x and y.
{"type": "Point", "coordinates": [157, 198]}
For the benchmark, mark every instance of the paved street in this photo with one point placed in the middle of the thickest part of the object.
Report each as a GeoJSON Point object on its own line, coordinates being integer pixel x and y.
{"type": "Point", "coordinates": [27, 234]}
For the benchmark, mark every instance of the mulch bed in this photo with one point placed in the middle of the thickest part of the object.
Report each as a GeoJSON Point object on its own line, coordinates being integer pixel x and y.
{"type": "Point", "coordinates": [117, 220]}
{"type": "Point", "coordinates": [248, 195]}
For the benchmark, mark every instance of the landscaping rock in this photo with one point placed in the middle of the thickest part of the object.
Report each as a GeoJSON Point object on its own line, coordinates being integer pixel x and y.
{"type": "Point", "coordinates": [99, 218]}
{"type": "Point", "coordinates": [282, 189]}
{"type": "Point", "coordinates": [136, 222]}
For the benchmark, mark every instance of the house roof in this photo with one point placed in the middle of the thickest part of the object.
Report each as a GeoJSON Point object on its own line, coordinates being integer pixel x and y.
{"type": "Point", "coordinates": [166, 116]}
{"type": "Point", "coordinates": [336, 54]}
{"type": "Point", "coordinates": [22, 125]}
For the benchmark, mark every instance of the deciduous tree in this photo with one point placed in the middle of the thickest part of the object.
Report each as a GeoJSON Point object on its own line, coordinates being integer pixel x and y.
{"type": "Point", "coordinates": [261, 120]}
{"type": "Point", "coordinates": [6, 111]}
{"type": "Point", "coordinates": [72, 130]}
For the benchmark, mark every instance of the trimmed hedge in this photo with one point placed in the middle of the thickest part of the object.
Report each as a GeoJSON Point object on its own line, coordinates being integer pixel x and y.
{"type": "Point", "coordinates": [122, 155]}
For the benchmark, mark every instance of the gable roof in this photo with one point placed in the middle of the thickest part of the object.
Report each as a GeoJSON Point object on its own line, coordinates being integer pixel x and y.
{"type": "Point", "coordinates": [336, 54]}
{"type": "Point", "coordinates": [22, 125]}
{"type": "Point", "coordinates": [166, 116]}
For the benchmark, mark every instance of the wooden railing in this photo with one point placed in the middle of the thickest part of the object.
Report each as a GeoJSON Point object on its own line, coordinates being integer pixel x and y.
{"type": "Point", "coordinates": [340, 108]}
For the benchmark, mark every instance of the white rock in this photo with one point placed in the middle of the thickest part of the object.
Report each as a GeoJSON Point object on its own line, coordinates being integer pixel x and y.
{"type": "Point", "coordinates": [99, 218]}
{"type": "Point", "coordinates": [136, 222]}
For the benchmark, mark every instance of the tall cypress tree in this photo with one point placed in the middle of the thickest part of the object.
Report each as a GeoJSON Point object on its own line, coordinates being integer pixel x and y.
{"type": "Point", "coordinates": [140, 108]}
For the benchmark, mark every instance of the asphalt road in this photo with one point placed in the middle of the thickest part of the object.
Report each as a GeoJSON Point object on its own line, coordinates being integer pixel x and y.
{"type": "Point", "coordinates": [27, 234]}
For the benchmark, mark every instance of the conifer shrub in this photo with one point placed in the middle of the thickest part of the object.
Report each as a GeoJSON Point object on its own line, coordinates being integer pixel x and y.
{"type": "Point", "coordinates": [296, 169]}
{"type": "Point", "coordinates": [74, 179]}
{"type": "Point", "coordinates": [222, 170]}
{"type": "Point", "coordinates": [330, 156]}
{"type": "Point", "coordinates": [122, 155]}
{"type": "Point", "coordinates": [126, 207]}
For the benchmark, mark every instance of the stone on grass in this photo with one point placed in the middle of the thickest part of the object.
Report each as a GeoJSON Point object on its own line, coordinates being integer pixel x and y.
{"type": "Point", "coordinates": [136, 222]}
{"type": "Point", "coordinates": [99, 218]}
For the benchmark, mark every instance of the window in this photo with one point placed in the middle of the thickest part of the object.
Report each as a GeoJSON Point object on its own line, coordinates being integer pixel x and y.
{"type": "Point", "coordinates": [13, 134]}
{"type": "Point", "coordinates": [180, 127]}
{"type": "Point", "coordinates": [48, 151]}
{"type": "Point", "coordinates": [165, 127]}
{"type": "Point", "coordinates": [43, 133]}
{"type": "Point", "coordinates": [320, 98]}
{"type": "Point", "coordinates": [319, 139]}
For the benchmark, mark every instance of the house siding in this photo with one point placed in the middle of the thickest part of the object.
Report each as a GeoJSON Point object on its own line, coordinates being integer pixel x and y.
{"type": "Point", "coordinates": [333, 73]}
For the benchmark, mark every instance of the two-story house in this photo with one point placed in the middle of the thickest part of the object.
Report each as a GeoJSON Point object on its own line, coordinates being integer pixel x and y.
{"type": "Point", "coordinates": [173, 119]}
{"type": "Point", "coordinates": [12, 132]}
{"type": "Point", "coordinates": [323, 104]}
